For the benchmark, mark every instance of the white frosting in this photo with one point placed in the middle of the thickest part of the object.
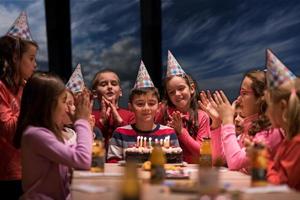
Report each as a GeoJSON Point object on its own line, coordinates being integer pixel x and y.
{"type": "Point", "coordinates": [142, 150]}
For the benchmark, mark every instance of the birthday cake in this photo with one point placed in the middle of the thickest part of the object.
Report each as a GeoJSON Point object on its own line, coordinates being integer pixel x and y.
{"type": "Point", "coordinates": [142, 150]}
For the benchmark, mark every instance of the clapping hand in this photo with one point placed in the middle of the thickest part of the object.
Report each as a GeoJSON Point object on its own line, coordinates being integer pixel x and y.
{"type": "Point", "coordinates": [208, 105]}
{"type": "Point", "coordinates": [223, 107]}
{"type": "Point", "coordinates": [175, 122]}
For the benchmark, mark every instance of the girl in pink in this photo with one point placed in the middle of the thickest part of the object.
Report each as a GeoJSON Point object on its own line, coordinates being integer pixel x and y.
{"type": "Point", "coordinates": [46, 158]}
{"type": "Point", "coordinates": [256, 126]}
{"type": "Point", "coordinates": [17, 63]}
{"type": "Point", "coordinates": [283, 99]}
{"type": "Point", "coordinates": [181, 112]}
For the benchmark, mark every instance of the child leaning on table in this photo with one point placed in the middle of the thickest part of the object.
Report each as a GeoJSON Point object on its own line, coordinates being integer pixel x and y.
{"type": "Point", "coordinates": [143, 101]}
{"type": "Point", "coordinates": [46, 159]}
{"type": "Point", "coordinates": [283, 99]}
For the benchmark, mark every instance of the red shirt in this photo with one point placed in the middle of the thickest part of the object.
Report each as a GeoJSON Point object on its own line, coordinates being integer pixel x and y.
{"type": "Point", "coordinates": [285, 167]}
{"type": "Point", "coordinates": [10, 165]}
{"type": "Point", "coordinates": [190, 144]}
{"type": "Point", "coordinates": [108, 129]}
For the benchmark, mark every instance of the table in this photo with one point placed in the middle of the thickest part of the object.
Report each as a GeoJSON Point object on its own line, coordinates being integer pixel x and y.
{"type": "Point", "coordinates": [106, 186]}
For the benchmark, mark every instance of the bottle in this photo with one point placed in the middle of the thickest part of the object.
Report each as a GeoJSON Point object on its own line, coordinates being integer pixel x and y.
{"type": "Point", "coordinates": [259, 164]}
{"type": "Point", "coordinates": [158, 160]}
{"type": "Point", "coordinates": [98, 156]}
{"type": "Point", "coordinates": [208, 176]}
{"type": "Point", "coordinates": [130, 188]}
{"type": "Point", "coordinates": [205, 159]}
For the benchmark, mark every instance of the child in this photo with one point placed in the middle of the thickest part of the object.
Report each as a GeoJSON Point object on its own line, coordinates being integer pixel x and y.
{"type": "Point", "coordinates": [284, 111]}
{"type": "Point", "coordinates": [256, 126]}
{"type": "Point", "coordinates": [181, 111]}
{"type": "Point", "coordinates": [143, 101]}
{"type": "Point", "coordinates": [17, 63]}
{"type": "Point", "coordinates": [75, 86]}
{"type": "Point", "coordinates": [106, 84]}
{"type": "Point", "coordinates": [46, 159]}
{"type": "Point", "coordinates": [238, 119]}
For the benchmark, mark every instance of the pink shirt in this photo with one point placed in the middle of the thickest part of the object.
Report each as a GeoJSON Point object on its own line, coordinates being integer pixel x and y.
{"type": "Point", "coordinates": [10, 167]}
{"type": "Point", "coordinates": [228, 146]}
{"type": "Point", "coordinates": [190, 144]}
{"type": "Point", "coordinates": [46, 161]}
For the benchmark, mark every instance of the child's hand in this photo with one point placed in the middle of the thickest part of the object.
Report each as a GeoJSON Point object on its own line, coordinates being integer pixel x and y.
{"type": "Point", "coordinates": [105, 111]}
{"type": "Point", "coordinates": [92, 121]}
{"type": "Point", "coordinates": [224, 107]}
{"type": "Point", "coordinates": [176, 122]}
{"type": "Point", "coordinates": [116, 116]}
{"type": "Point", "coordinates": [208, 105]}
{"type": "Point", "coordinates": [83, 106]}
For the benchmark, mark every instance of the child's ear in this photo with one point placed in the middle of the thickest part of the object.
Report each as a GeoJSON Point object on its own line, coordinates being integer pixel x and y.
{"type": "Point", "coordinates": [192, 88]}
{"type": "Point", "coordinates": [283, 104]}
{"type": "Point", "coordinates": [121, 92]}
{"type": "Point", "coordinates": [130, 106]}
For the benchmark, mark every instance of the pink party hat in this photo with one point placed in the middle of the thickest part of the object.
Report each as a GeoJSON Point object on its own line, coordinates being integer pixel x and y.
{"type": "Point", "coordinates": [277, 72]}
{"type": "Point", "coordinates": [143, 79]}
{"type": "Point", "coordinates": [173, 67]}
{"type": "Point", "coordinates": [20, 28]}
{"type": "Point", "coordinates": [76, 83]}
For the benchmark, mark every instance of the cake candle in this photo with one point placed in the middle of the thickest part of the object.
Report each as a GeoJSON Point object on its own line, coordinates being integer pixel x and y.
{"type": "Point", "coordinates": [138, 141]}
{"type": "Point", "coordinates": [145, 142]}
{"type": "Point", "coordinates": [150, 141]}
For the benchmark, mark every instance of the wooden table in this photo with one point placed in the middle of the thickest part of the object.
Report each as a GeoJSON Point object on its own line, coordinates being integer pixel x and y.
{"type": "Point", "coordinates": [106, 186]}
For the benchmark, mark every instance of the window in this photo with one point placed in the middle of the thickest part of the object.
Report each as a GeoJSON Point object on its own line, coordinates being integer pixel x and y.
{"type": "Point", "coordinates": [218, 41]}
{"type": "Point", "coordinates": [106, 34]}
{"type": "Point", "coordinates": [10, 10]}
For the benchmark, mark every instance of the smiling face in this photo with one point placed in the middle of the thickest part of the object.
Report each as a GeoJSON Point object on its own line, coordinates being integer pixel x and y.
{"type": "Point", "coordinates": [144, 107]}
{"type": "Point", "coordinates": [108, 86]}
{"type": "Point", "coordinates": [179, 93]}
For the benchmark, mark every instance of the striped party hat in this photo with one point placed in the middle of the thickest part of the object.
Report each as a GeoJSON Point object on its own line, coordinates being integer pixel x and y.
{"type": "Point", "coordinates": [277, 72]}
{"type": "Point", "coordinates": [76, 83]}
{"type": "Point", "coordinates": [173, 67]}
{"type": "Point", "coordinates": [20, 28]}
{"type": "Point", "coordinates": [143, 79]}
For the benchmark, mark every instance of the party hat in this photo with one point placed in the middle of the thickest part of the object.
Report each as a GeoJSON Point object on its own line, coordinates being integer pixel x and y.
{"type": "Point", "coordinates": [20, 28]}
{"type": "Point", "coordinates": [76, 83]}
{"type": "Point", "coordinates": [173, 67]}
{"type": "Point", "coordinates": [143, 79]}
{"type": "Point", "coordinates": [277, 72]}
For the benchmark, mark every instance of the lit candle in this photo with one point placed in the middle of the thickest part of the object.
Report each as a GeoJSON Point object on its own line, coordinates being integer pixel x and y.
{"type": "Point", "coordinates": [156, 141]}
{"type": "Point", "coordinates": [161, 142]}
{"type": "Point", "coordinates": [141, 141]}
{"type": "Point", "coordinates": [150, 141]}
{"type": "Point", "coordinates": [167, 142]}
{"type": "Point", "coordinates": [138, 141]}
{"type": "Point", "coordinates": [145, 142]}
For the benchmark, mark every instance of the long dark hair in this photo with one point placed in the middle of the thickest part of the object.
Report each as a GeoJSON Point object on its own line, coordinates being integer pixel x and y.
{"type": "Point", "coordinates": [192, 123]}
{"type": "Point", "coordinates": [39, 100]}
{"type": "Point", "coordinates": [259, 85]}
{"type": "Point", "coordinates": [11, 52]}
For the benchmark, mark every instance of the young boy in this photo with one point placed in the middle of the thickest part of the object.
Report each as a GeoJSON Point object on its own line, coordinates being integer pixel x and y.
{"type": "Point", "coordinates": [143, 101]}
{"type": "Point", "coordinates": [106, 84]}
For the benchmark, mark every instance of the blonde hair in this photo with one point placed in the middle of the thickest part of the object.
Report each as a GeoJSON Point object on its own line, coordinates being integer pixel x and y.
{"type": "Point", "coordinates": [291, 93]}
